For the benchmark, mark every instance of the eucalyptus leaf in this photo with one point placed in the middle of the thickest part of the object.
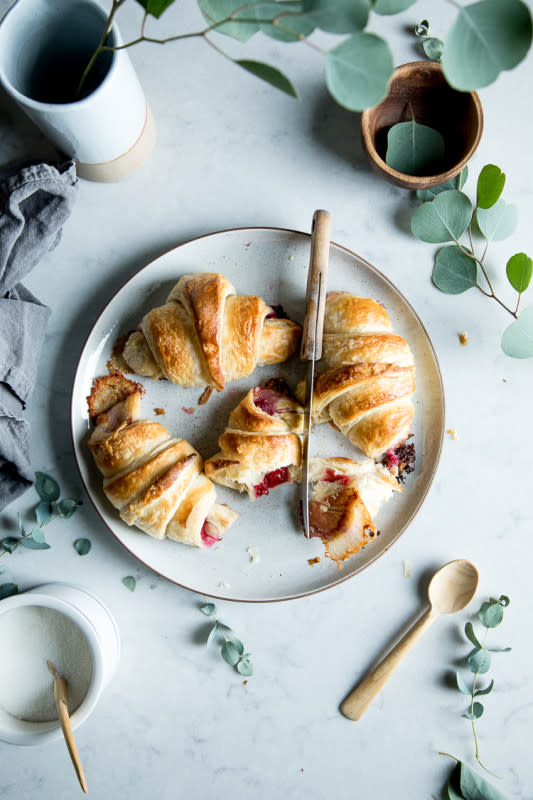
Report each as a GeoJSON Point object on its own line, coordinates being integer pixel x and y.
{"type": "Point", "coordinates": [130, 583]}
{"type": "Point", "coordinates": [37, 534]}
{"type": "Point", "coordinates": [244, 666]}
{"type": "Point", "coordinates": [10, 543]}
{"type": "Point", "coordinates": [229, 653]}
{"type": "Point", "coordinates": [31, 544]}
{"type": "Point", "coordinates": [517, 339]}
{"type": "Point", "coordinates": [215, 11]}
{"type": "Point", "coordinates": [487, 690]}
{"type": "Point", "coordinates": [271, 75]}
{"type": "Point", "coordinates": [499, 649]}
{"type": "Point", "coordinates": [414, 149]}
{"type": "Point", "coordinates": [504, 600]}
{"type": "Point", "coordinates": [475, 711]}
{"type": "Point", "coordinates": [82, 546]}
{"type": "Point", "coordinates": [46, 487]}
{"type": "Point", "coordinates": [471, 636]}
{"type": "Point", "coordinates": [519, 270]}
{"type": "Point", "coordinates": [338, 16]}
{"type": "Point", "coordinates": [454, 183]}
{"type": "Point", "coordinates": [486, 38]}
{"type": "Point", "coordinates": [479, 661]}
{"type": "Point", "coordinates": [43, 512]}
{"type": "Point", "coordinates": [461, 685]}
{"type": "Point", "coordinates": [490, 185]}
{"type": "Point", "coordinates": [212, 633]}
{"type": "Point", "coordinates": [444, 219]}
{"type": "Point", "coordinates": [7, 590]}
{"type": "Point", "coordinates": [454, 271]}
{"type": "Point", "coordinates": [20, 525]}
{"type": "Point", "coordinates": [433, 48]}
{"type": "Point", "coordinates": [497, 222]}
{"type": "Point", "coordinates": [453, 782]}
{"type": "Point", "coordinates": [491, 614]}
{"type": "Point", "coordinates": [155, 7]}
{"type": "Point", "coordinates": [474, 787]}
{"type": "Point", "coordinates": [289, 22]}
{"type": "Point", "coordinates": [237, 644]}
{"type": "Point", "coordinates": [67, 507]}
{"type": "Point", "coordinates": [422, 29]}
{"type": "Point", "coordinates": [209, 609]}
{"type": "Point", "coordinates": [358, 71]}
{"type": "Point", "coordinates": [392, 6]}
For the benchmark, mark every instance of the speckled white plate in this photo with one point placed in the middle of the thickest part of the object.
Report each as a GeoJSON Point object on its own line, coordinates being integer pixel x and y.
{"type": "Point", "coordinates": [271, 263]}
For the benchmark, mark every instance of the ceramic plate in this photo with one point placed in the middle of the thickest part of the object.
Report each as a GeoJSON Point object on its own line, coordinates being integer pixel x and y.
{"type": "Point", "coordinates": [271, 263]}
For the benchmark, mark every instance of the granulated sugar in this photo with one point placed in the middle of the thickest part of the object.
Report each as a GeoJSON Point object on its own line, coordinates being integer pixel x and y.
{"type": "Point", "coordinates": [29, 636]}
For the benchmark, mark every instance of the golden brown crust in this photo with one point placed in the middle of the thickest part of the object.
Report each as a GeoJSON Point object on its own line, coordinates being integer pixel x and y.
{"type": "Point", "coordinates": [126, 444]}
{"type": "Point", "coordinates": [343, 523]}
{"type": "Point", "coordinates": [108, 390]}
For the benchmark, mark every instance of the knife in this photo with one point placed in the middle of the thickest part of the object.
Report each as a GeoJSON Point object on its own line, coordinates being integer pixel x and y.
{"type": "Point", "coordinates": [311, 349]}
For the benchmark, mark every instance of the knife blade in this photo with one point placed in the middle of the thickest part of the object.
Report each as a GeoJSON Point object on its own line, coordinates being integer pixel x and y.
{"type": "Point", "coordinates": [311, 349]}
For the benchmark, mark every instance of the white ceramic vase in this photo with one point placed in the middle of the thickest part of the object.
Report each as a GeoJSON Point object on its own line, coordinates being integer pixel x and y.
{"type": "Point", "coordinates": [44, 47]}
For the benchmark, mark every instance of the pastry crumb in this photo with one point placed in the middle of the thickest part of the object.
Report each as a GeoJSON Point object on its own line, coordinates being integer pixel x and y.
{"type": "Point", "coordinates": [463, 339]}
{"type": "Point", "coordinates": [224, 585]}
{"type": "Point", "coordinates": [312, 561]}
{"type": "Point", "coordinates": [206, 394]}
{"type": "Point", "coordinates": [244, 683]}
{"type": "Point", "coordinates": [407, 570]}
{"type": "Point", "coordinates": [453, 434]}
{"type": "Point", "coordinates": [253, 552]}
{"type": "Point", "coordinates": [291, 258]}
{"type": "Point", "coordinates": [159, 411]}
{"type": "Point", "coordinates": [187, 410]}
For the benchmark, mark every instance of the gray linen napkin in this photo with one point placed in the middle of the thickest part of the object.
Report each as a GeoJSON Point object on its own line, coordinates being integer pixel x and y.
{"type": "Point", "coordinates": [34, 204]}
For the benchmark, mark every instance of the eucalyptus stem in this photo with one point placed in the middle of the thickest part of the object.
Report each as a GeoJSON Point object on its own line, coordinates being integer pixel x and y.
{"type": "Point", "coordinates": [479, 262]}
{"type": "Point", "coordinates": [100, 48]}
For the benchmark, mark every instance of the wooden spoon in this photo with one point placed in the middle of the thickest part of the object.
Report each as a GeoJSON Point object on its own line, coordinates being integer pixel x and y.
{"type": "Point", "coordinates": [450, 590]}
{"type": "Point", "coordinates": [60, 694]}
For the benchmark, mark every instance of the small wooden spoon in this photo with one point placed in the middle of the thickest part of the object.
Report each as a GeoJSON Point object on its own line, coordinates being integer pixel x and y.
{"type": "Point", "coordinates": [60, 694]}
{"type": "Point", "coordinates": [450, 590]}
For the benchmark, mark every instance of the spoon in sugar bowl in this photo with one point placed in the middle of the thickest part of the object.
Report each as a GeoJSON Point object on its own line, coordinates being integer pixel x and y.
{"type": "Point", "coordinates": [451, 588]}
{"type": "Point", "coordinates": [60, 695]}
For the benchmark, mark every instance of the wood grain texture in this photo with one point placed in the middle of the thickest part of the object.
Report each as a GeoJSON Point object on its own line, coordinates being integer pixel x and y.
{"type": "Point", "coordinates": [316, 285]}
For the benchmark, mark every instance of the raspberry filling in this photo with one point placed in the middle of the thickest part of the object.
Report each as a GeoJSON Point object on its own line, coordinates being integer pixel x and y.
{"type": "Point", "coordinates": [391, 459]}
{"type": "Point", "coordinates": [209, 534]}
{"type": "Point", "coordinates": [272, 479]}
{"type": "Point", "coordinates": [266, 400]}
{"type": "Point", "coordinates": [330, 476]}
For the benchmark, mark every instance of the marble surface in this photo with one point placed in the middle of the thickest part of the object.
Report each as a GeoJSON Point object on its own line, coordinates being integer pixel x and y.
{"type": "Point", "coordinates": [176, 720]}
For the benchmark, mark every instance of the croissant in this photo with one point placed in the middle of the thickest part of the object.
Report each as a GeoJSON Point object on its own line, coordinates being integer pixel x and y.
{"type": "Point", "coordinates": [155, 480]}
{"type": "Point", "coordinates": [369, 380]}
{"type": "Point", "coordinates": [345, 497]}
{"type": "Point", "coordinates": [260, 448]}
{"type": "Point", "coordinates": [207, 335]}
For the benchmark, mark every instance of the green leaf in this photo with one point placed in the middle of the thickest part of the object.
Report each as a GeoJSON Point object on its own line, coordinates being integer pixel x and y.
{"type": "Point", "coordinates": [443, 219]}
{"type": "Point", "coordinates": [392, 6]}
{"type": "Point", "coordinates": [517, 339]}
{"type": "Point", "coordinates": [486, 38]}
{"type": "Point", "coordinates": [130, 583]}
{"type": "Point", "coordinates": [20, 525]}
{"type": "Point", "coordinates": [489, 185]}
{"type": "Point", "coordinates": [43, 512]}
{"type": "Point", "coordinates": [10, 543]}
{"type": "Point", "coordinates": [209, 609]}
{"type": "Point", "coordinates": [471, 636]}
{"type": "Point", "coordinates": [497, 222]}
{"type": "Point", "coordinates": [155, 7]}
{"type": "Point", "coordinates": [461, 685]}
{"type": "Point", "coordinates": [7, 590]}
{"type": "Point", "coordinates": [358, 71]}
{"type": "Point", "coordinates": [37, 534]}
{"type": "Point", "coordinates": [82, 546]}
{"type": "Point", "coordinates": [499, 649]}
{"type": "Point", "coordinates": [433, 48]}
{"type": "Point", "coordinates": [237, 644]}
{"type": "Point", "coordinates": [479, 661]}
{"type": "Point", "coordinates": [338, 16]}
{"type": "Point", "coordinates": [414, 149]}
{"type": "Point", "coordinates": [31, 544]}
{"type": "Point", "coordinates": [519, 271]}
{"type": "Point", "coordinates": [288, 21]}
{"type": "Point", "coordinates": [487, 690]}
{"type": "Point", "coordinates": [212, 633]}
{"type": "Point", "coordinates": [454, 272]}
{"type": "Point", "coordinates": [474, 787]}
{"type": "Point", "coordinates": [217, 10]}
{"type": "Point", "coordinates": [475, 711]}
{"type": "Point", "coordinates": [67, 507]}
{"type": "Point", "coordinates": [453, 794]}
{"type": "Point", "coordinates": [229, 653]}
{"type": "Point", "coordinates": [454, 183]}
{"type": "Point", "coordinates": [504, 600]}
{"type": "Point", "coordinates": [244, 666]}
{"type": "Point", "coordinates": [269, 74]}
{"type": "Point", "coordinates": [46, 487]}
{"type": "Point", "coordinates": [491, 614]}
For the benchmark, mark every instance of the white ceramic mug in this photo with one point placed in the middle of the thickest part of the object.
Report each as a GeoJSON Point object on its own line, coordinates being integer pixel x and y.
{"type": "Point", "coordinates": [99, 628]}
{"type": "Point", "coordinates": [44, 44]}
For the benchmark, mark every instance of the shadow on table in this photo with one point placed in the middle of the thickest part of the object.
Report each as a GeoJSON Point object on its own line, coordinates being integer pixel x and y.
{"type": "Point", "coordinates": [21, 141]}
{"type": "Point", "coordinates": [338, 130]}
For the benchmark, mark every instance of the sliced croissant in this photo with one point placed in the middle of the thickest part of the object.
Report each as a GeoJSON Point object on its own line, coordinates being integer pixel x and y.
{"type": "Point", "coordinates": [207, 335]}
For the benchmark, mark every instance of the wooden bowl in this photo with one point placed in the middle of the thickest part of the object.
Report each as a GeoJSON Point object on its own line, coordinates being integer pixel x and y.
{"type": "Point", "coordinates": [420, 88]}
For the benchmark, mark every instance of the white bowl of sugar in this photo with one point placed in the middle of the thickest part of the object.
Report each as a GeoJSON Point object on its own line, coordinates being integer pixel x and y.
{"type": "Point", "coordinates": [73, 629]}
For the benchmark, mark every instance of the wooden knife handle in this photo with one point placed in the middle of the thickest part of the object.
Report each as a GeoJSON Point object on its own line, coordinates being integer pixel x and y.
{"type": "Point", "coordinates": [318, 265]}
